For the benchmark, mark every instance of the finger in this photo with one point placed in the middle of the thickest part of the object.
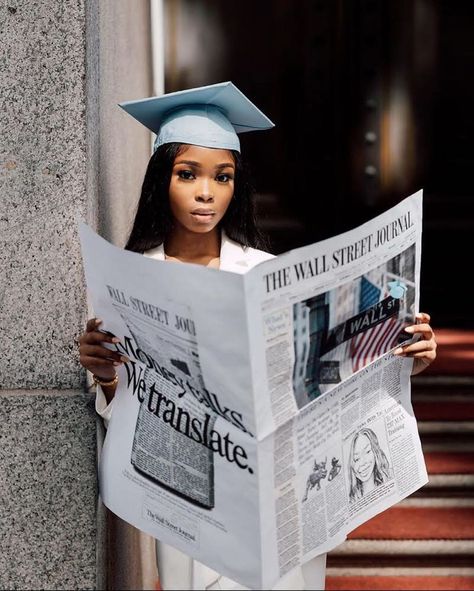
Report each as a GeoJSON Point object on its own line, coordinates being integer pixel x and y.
{"type": "Point", "coordinates": [92, 362]}
{"type": "Point", "coordinates": [423, 329]}
{"type": "Point", "coordinates": [98, 351]}
{"type": "Point", "coordinates": [417, 347]}
{"type": "Point", "coordinates": [92, 324]}
{"type": "Point", "coordinates": [423, 317]}
{"type": "Point", "coordinates": [98, 336]}
{"type": "Point", "coordinates": [425, 355]}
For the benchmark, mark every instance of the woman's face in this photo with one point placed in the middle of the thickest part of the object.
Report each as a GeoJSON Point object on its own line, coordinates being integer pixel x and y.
{"type": "Point", "coordinates": [201, 187]}
{"type": "Point", "coordinates": [364, 459]}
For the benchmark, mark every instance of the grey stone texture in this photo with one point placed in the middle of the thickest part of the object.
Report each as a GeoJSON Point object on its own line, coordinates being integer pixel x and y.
{"type": "Point", "coordinates": [48, 539]}
{"type": "Point", "coordinates": [67, 153]}
{"type": "Point", "coordinates": [43, 172]}
{"type": "Point", "coordinates": [125, 73]}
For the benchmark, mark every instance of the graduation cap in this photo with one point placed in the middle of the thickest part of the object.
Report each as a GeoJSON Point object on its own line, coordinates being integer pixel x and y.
{"type": "Point", "coordinates": [209, 116]}
{"type": "Point", "coordinates": [397, 289]}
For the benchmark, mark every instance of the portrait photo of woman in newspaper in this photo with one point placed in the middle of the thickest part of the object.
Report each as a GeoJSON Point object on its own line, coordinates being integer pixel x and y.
{"type": "Point", "coordinates": [368, 464]}
{"type": "Point", "coordinates": [196, 206]}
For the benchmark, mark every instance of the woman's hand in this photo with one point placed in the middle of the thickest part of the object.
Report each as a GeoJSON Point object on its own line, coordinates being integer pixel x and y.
{"type": "Point", "coordinates": [100, 360]}
{"type": "Point", "coordinates": [423, 351]}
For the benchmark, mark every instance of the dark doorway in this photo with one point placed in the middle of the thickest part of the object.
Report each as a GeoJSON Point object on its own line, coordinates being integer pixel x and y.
{"type": "Point", "coordinates": [372, 100]}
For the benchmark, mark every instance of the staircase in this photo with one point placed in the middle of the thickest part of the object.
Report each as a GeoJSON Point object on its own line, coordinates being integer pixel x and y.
{"type": "Point", "coordinates": [427, 540]}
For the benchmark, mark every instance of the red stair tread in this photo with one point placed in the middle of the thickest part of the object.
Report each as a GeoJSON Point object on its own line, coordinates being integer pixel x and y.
{"type": "Point", "coordinates": [449, 462]}
{"type": "Point", "coordinates": [376, 583]}
{"type": "Point", "coordinates": [419, 523]}
{"type": "Point", "coordinates": [452, 337]}
{"type": "Point", "coordinates": [455, 354]}
{"type": "Point", "coordinates": [444, 410]}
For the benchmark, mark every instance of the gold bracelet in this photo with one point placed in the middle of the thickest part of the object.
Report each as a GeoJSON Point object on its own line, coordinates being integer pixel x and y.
{"type": "Point", "coordinates": [112, 382]}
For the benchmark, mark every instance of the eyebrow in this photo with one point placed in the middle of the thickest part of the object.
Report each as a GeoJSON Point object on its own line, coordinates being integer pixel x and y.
{"type": "Point", "coordinates": [197, 165]}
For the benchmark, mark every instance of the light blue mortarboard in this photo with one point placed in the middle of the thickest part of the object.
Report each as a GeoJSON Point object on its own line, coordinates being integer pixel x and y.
{"type": "Point", "coordinates": [397, 289]}
{"type": "Point", "coordinates": [209, 116]}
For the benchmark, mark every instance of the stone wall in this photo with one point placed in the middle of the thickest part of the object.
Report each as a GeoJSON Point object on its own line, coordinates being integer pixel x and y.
{"type": "Point", "coordinates": [68, 152]}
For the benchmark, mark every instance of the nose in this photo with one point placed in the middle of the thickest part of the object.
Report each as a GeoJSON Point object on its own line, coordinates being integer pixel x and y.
{"type": "Point", "coordinates": [205, 198]}
{"type": "Point", "coordinates": [204, 193]}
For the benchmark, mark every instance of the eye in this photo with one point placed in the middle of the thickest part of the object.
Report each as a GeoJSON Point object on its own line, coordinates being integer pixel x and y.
{"type": "Point", "coordinates": [224, 177]}
{"type": "Point", "coordinates": [186, 175]}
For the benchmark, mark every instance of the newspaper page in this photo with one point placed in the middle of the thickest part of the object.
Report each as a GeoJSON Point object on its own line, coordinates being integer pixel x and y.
{"type": "Point", "coordinates": [180, 457]}
{"type": "Point", "coordinates": [324, 320]}
{"type": "Point", "coordinates": [346, 457]}
{"type": "Point", "coordinates": [262, 416]}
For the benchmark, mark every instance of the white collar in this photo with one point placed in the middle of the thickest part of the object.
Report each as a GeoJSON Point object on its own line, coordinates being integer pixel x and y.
{"type": "Point", "coordinates": [232, 255]}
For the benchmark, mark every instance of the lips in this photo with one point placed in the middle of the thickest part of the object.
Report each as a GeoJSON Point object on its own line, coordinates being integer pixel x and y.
{"type": "Point", "coordinates": [203, 211]}
{"type": "Point", "coordinates": [201, 215]}
{"type": "Point", "coordinates": [364, 471]}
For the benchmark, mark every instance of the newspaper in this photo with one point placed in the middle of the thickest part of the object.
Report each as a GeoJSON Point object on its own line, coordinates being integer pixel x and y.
{"type": "Point", "coordinates": [262, 416]}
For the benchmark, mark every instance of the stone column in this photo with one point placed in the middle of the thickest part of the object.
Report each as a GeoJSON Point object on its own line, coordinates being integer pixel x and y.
{"type": "Point", "coordinates": [67, 153]}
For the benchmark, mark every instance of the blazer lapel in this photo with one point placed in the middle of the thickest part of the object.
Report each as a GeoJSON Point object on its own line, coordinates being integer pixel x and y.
{"type": "Point", "coordinates": [157, 253]}
{"type": "Point", "coordinates": [234, 257]}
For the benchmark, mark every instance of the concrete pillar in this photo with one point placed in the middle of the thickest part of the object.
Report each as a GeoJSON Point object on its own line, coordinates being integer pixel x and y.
{"type": "Point", "coordinates": [67, 152]}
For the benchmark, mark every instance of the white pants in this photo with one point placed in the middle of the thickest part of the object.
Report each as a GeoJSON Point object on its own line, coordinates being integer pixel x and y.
{"type": "Point", "coordinates": [179, 571]}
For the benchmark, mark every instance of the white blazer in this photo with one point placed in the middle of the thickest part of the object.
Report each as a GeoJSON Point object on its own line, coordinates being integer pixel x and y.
{"type": "Point", "coordinates": [177, 570]}
{"type": "Point", "coordinates": [233, 256]}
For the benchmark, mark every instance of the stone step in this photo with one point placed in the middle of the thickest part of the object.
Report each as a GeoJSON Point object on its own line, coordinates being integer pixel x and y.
{"type": "Point", "coordinates": [399, 553]}
{"type": "Point", "coordinates": [444, 434]}
{"type": "Point", "coordinates": [422, 582]}
{"type": "Point", "coordinates": [417, 532]}
{"type": "Point", "coordinates": [450, 469]}
{"type": "Point", "coordinates": [455, 354]}
{"type": "Point", "coordinates": [449, 462]}
{"type": "Point", "coordinates": [419, 523]}
{"type": "Point", "coordinates": [443, 398]}
{"type": "Point", "coordinates": [444, 383]}
{"type": "Point", "coordinates": [430, 408]}
{"type": "Point", "coordinates": [448, 448]}
{"type": "Point", "coordinates": [427, 540]}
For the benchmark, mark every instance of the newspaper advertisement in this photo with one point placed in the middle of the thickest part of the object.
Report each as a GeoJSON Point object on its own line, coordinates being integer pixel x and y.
{"type": "Point", "coordinates": [262, 416]}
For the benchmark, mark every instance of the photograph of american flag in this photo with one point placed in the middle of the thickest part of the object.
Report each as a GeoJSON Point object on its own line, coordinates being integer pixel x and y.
{"type": "Point", "coordinates": [342, 330]}
{"type": "Point", "coordinates": [375, 341]}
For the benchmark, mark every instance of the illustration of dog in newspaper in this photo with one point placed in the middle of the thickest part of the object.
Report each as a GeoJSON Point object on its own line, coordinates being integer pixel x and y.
{"type": "Point", "coordinates": [315, 477]}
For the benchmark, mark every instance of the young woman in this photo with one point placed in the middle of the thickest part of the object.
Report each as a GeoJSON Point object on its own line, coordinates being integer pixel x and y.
{"type": "Point", "coordinates": [368, 464]}
{"type": "Point", "coordinates": [196, 207]}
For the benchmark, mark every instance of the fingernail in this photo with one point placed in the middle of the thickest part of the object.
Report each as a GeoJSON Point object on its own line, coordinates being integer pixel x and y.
{"type": "Point", "coordinates": [124, 359]}
{"type": "Point", "coordinates": [115, 340]}
{"type": "Point", "coordinates": [398, 351]}
{"type": "Point", "coordinates": [117, 363]}
{"type": "Point", "coordinates": [98, 321]}
{"type": "Point", "coordinates": [409, 329]}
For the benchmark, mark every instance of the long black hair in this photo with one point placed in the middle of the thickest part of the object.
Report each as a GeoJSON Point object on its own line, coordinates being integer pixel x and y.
{"type": "Point", "coordinates": [153, 219]}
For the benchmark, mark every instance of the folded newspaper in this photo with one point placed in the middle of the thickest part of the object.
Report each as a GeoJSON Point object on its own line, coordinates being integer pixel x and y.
{"type": "Point", "coordinates": [262, 416]}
